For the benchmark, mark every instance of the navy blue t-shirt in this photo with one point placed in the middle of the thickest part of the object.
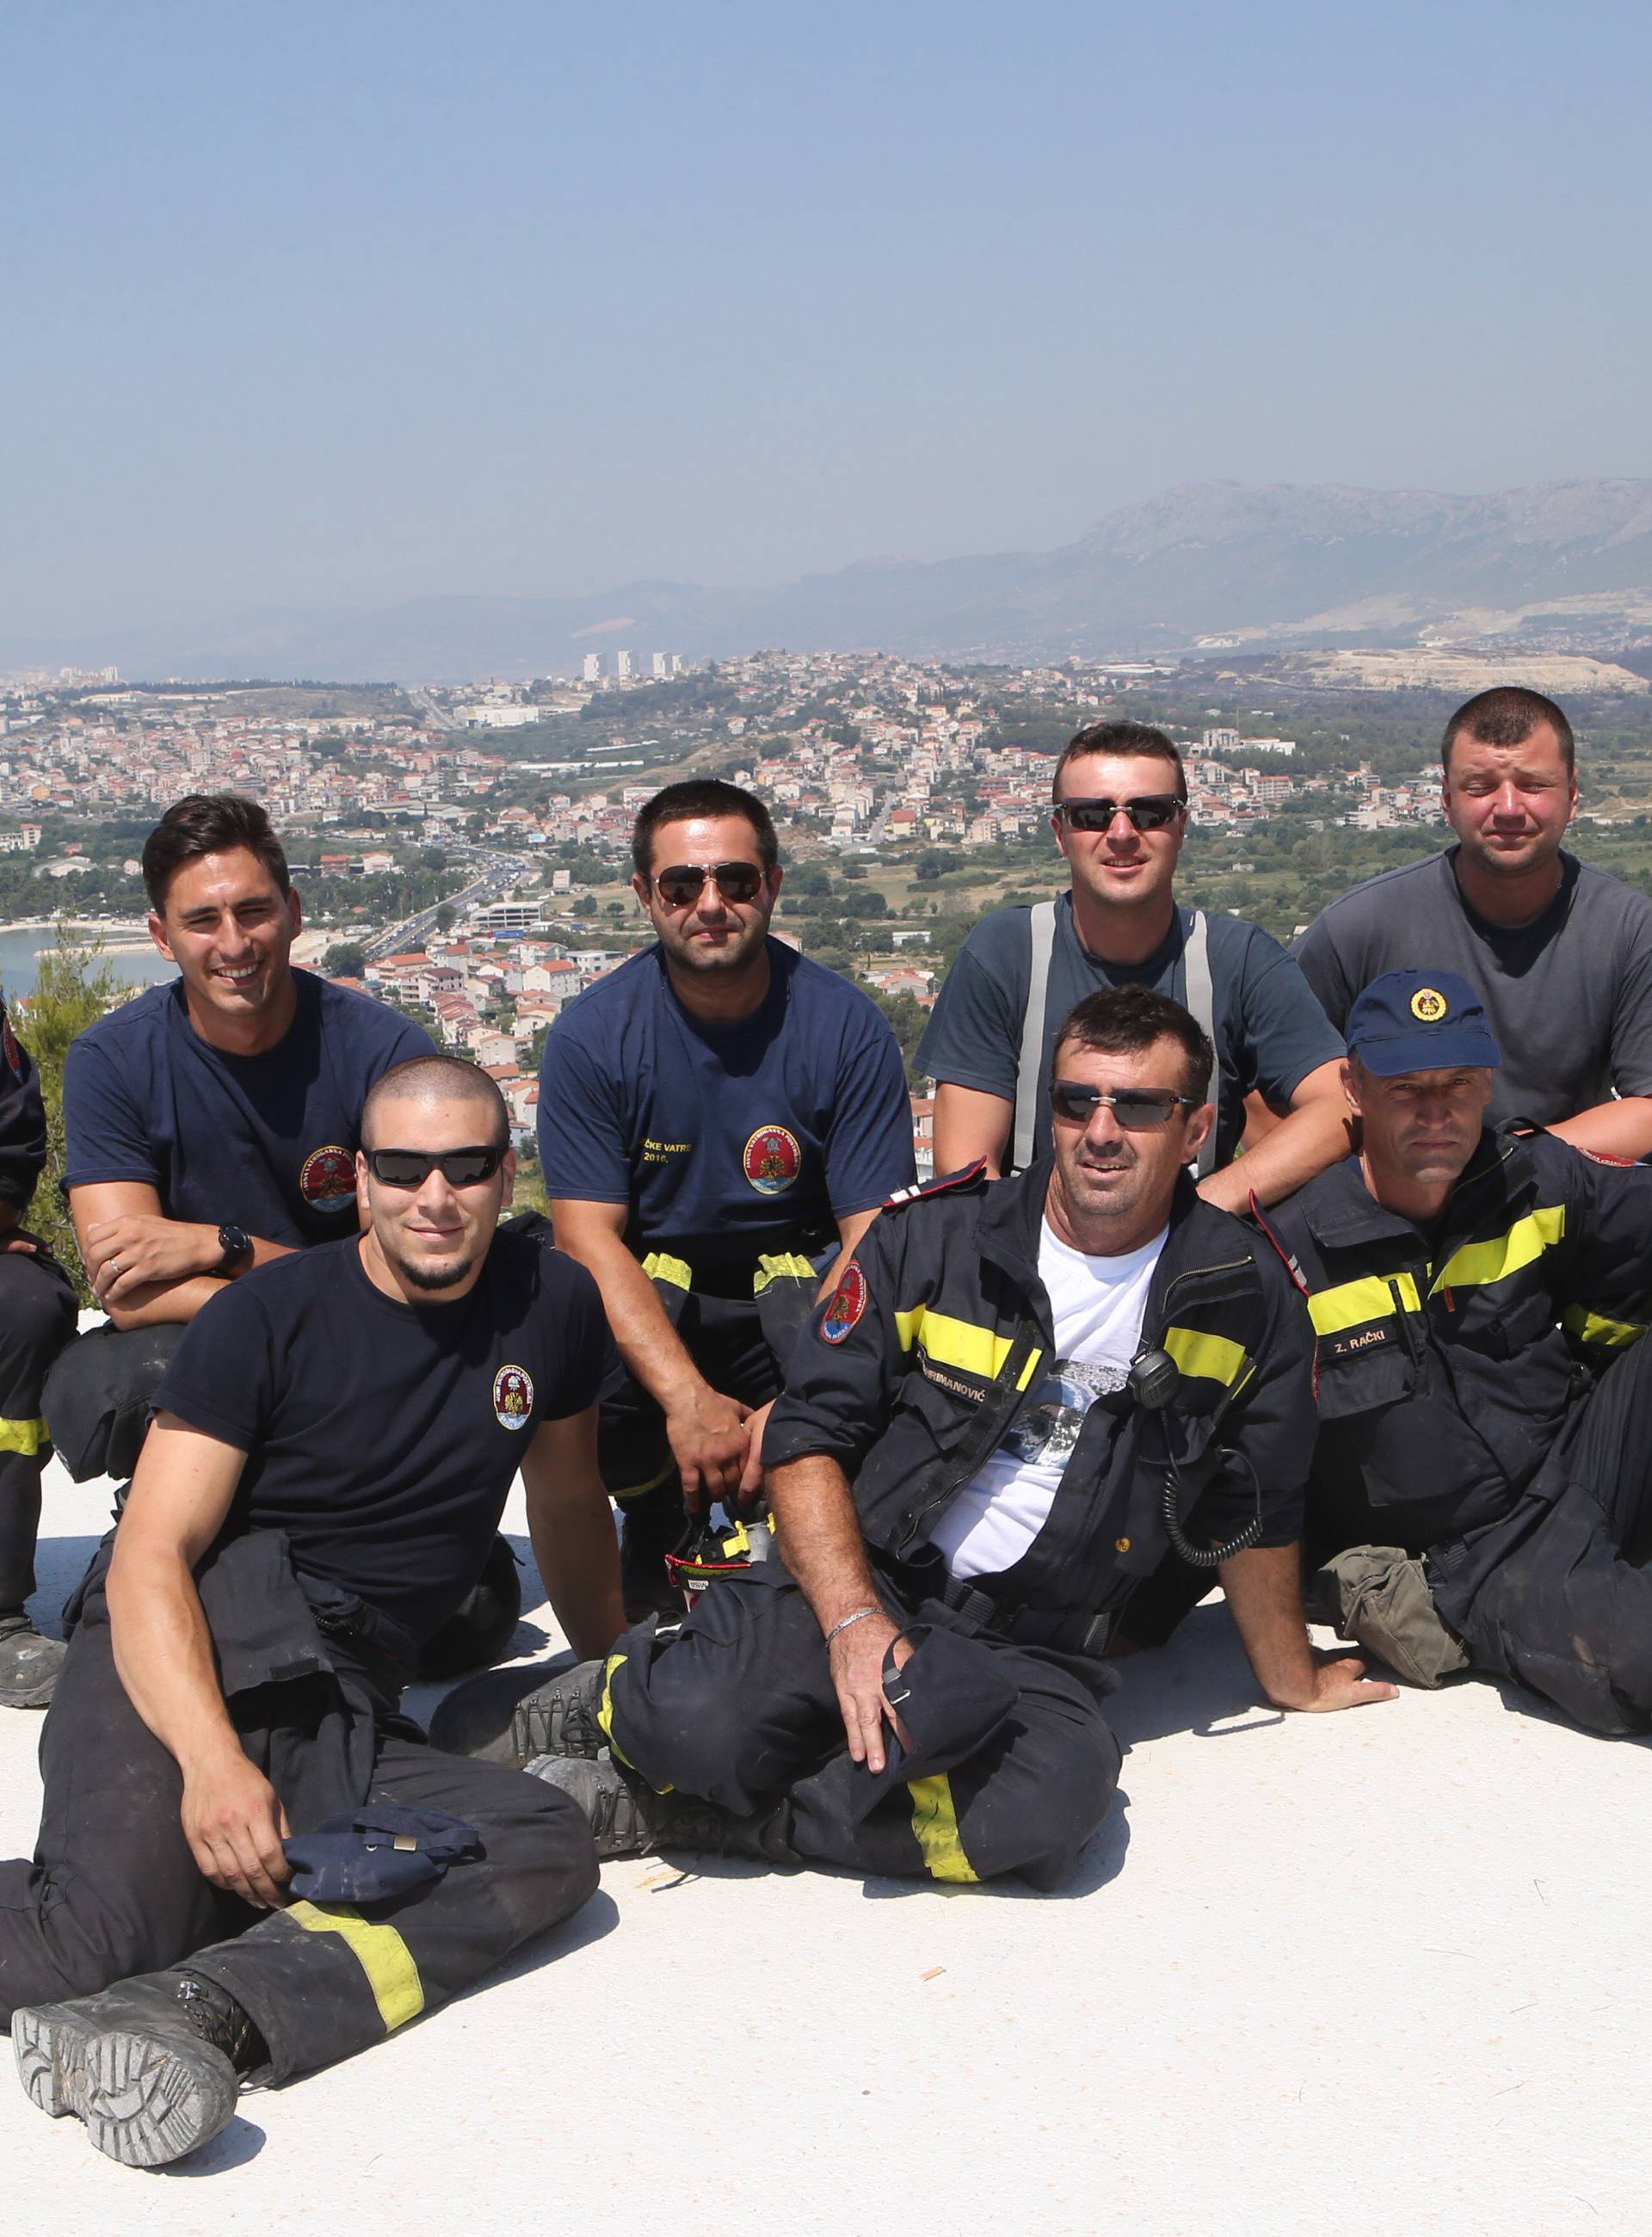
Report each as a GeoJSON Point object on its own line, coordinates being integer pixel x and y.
{"type": "Point", "coordinates": [1270, 1031]}
{"type": "Point", "coordinates": [725, 1141]}
{"type": "Point", "coordinates": [266, 1141]}
{"type": "Point", "coordinates": [383, 1437]}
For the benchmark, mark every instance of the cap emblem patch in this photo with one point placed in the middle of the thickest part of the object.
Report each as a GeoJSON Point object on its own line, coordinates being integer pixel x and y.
{"type": "Point", "coordinates": [1429, 1005]}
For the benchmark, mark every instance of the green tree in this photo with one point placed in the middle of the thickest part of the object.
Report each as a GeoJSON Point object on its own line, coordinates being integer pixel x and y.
{"type": "Point", "coordinates": [445, 917]}
{"type": "Point", "coordinates": [345, 958]}
{"type": "Point", "coordinates": [73, 989]}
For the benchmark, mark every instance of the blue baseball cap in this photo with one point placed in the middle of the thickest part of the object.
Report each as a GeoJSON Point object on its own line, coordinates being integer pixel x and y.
{"type": "Point", "coordinates": [1420, 1021]}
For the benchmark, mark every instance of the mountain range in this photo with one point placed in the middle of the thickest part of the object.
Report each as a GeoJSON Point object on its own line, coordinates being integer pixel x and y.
{"type": "Point", "coordinates": [1213, 562]}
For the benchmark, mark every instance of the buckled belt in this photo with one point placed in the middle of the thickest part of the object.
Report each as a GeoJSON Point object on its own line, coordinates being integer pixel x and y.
{"type": "Point", "coordinates": [1064, 1631]}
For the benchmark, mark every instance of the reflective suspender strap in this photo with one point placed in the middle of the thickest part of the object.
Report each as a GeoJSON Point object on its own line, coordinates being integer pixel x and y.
{"type": "Point", "coordinates": [1042, 929]}
{"type": "Point", "coordinates": [1202, 1005]}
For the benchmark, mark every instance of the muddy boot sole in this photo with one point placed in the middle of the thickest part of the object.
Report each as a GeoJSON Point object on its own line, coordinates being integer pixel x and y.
{"type": "Point", "coordinates": [146, 2098]}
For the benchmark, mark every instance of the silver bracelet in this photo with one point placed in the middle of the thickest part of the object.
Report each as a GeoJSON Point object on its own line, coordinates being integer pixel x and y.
{"type": "Point", "coordinates": [859, 1616]}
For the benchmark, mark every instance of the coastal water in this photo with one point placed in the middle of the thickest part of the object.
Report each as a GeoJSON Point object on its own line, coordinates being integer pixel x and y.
{"type": "Point", "coordinates": [132, 966]}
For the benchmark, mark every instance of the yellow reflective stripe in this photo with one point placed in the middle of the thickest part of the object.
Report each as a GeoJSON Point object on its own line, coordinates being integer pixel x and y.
{"type": "Point", "coordinates": [1026, 1375]}
{"type": "Point", "coordinates": [1352, 1304]}
{"type": "Point", "coordinates": [935, 1822]}
{"type": "Point", "coordinates": [379, 1950]}
{"type": "Point", "coordinates": [605, 1714]}
{"type": "Point", "coordinates": [635, 1490]}
{"type": "Point", "coordinates": [660, 1266]}
{"type": "Point", "coordinates": [1597, 1328]}
{"type": "Point", "coordinates": [1479, 1263]}
{"type": "Point", "coordinates": [780, 1266]}
{"type": "Point", "coordinates": [22, 1436]}
{"type": "Point", "coordinates": [951, 1343]}
{"type": "Point", "coordinates": [1216, 1358]}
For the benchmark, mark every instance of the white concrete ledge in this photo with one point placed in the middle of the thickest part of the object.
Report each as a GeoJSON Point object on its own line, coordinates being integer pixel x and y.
{"type": "Point", "coordinates": [1385, 1971]}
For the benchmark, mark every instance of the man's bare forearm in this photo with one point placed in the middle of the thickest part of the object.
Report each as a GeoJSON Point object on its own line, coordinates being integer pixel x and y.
{"type": "Point", "coordinates": [579, 1558]}
{"type": "Point", "coordinates": [1303, 1143]}
{"type": "Point", "coordinates": [1264, 1589]}
{"type": "Point", "coordinates": [820, 1536]}
{"type": "Point", "coordinates": [164, 1654]}
{"type": "Point", "coordinates": [649, 1346]}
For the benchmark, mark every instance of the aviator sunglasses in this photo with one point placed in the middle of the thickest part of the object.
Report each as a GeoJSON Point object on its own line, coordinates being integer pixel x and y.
{"type": "Point", "coordinates": [1148, 811]}
{"type": "Point", "coordinates": [1133, 1107]}
{"type": "Point", "coordinates": [411, 1169]}
{"type": "Point", "coordinates": [682, 885]}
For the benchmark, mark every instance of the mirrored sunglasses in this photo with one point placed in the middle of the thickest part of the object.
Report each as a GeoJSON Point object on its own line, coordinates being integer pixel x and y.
{"type": "Point", "coordinates": [1148, 811]}
{"type": "Point", "coordinates": [682, 885]}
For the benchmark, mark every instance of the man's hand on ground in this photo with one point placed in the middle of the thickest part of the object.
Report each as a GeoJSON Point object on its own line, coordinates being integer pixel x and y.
{"type": "Point", "coordinates": [1342, 1684]}
{"type": "Point", "coordinates": [857, 1658]}
{"type": "Point", "coordinates": [234, 1824]}
{"type": "Point", "coordinates": [708, 1440]}
{"type": "Point", "coordinates": [140, 1247]}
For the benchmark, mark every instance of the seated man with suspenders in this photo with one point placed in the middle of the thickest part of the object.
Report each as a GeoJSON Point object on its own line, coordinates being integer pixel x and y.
{"type": "Point", "coordinates": [1121, 816]}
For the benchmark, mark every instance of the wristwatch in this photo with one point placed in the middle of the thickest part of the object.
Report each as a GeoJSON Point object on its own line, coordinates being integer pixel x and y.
{"type": "Point", "coordinates": [237, 1245]}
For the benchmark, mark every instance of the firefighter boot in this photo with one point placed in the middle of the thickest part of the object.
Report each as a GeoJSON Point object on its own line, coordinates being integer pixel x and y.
{"type": "Point", "coordinates": [628, 1818]}
{"type": "Point", "coordinates": [151, 2066]}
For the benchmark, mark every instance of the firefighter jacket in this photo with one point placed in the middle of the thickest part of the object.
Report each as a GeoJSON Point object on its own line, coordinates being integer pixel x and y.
{"type": "Point", "coordinates": [22, 1119]}
{"type": "Point", "coordinates": [1443, 1371]}
{"type": "Point", "coordinates": [917, 1366]}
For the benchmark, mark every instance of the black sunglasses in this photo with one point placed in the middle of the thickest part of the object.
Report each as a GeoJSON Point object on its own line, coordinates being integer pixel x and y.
{"type": "Point", "coordinates": [1133, 1107]}
{"type": "Point", "coordinates": [411, 1169]}
{"type": "Point", "coordinates": [1148, 811]}
{"type": "Point", "coordinates": [682, 885]}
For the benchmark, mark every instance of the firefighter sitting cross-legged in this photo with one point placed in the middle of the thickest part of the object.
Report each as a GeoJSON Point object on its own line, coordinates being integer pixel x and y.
{"type": "Point", "coordinates": [1018, 1394]}
{"type": "Point", "coordinates": [1474, 1501]}
{"type": "Point", "coordinates": [236, 1813]}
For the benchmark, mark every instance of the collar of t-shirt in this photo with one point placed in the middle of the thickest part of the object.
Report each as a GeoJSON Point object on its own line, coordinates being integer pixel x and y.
{"type": "Point", "coordinates": [1097, 1305]}
{"type": "Point", "coordinates": [1150, 968]}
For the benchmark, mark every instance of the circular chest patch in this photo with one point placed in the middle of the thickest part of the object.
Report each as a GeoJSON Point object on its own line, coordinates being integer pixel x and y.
{"type": "Point", "coordinates": [1428, 1005]}
{"type": "Point", "coordinates": [513, 1397]}
{"type": "Point", "coordinates": [326, 1178]}
{"type": "Point", "coordinates": [772, 1160]}
{"type": "Point", "coordinates": [848, 1302]}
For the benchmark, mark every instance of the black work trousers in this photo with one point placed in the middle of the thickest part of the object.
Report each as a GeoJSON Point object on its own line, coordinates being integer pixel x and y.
{"type": "Point", "coordinates": [38, 1310]}
{"type": "Point", "coordinates": [739, 1708]}
{"type": "Point", "coordinates": [113, 1889]}
{"type": "Point", "coordinates": [1558, 1596]}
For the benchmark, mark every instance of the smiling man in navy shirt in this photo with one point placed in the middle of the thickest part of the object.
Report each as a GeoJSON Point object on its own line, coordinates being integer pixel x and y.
{"type": "Point", "coordinates": [719, 1120]}
{"type": "Point", "coordinates": [213, 1122]}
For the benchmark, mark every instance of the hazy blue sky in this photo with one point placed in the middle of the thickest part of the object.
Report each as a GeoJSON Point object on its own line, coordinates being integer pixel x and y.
{"type": "Point", "coordinates": [346, 303]}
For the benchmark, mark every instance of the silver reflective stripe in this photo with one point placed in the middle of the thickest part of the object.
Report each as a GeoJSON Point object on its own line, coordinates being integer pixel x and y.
{"type": "Point", "coordinates": [1042, 927]}
{"type": "Point", "coordinates": [1202, 1005]}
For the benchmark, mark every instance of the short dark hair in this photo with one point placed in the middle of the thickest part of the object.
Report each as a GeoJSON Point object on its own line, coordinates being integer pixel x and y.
{"type": "Point", "coordinates": [1119, 738]}
{"type": "Point", "coordinates": [699, 796]}
{"type": "Point", "coordinates": [1124, 1020]}
{"type": "Point", "coordinates": [439, 1079]}
{"type": "Point", "coordinates": [1507, 716]}
{"type": "Point", "coordinates": [209, 823]}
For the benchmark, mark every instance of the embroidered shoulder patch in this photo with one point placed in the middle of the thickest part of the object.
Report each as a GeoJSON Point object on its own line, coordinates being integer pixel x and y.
{"type": "Point", "coordinates": [846, 1305]}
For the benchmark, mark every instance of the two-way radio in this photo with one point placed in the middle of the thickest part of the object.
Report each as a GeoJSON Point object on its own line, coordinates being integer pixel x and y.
{"type": "Point", "coordinates": [1153, 1381]}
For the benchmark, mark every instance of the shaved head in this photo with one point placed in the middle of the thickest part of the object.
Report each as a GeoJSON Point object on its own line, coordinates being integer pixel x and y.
{"type": "Point", "coordinates": [433, 1080]}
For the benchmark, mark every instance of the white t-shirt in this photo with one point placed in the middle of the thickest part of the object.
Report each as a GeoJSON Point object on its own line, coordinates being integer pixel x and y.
{"type": "Point", "coordinates": [1098, 1305]}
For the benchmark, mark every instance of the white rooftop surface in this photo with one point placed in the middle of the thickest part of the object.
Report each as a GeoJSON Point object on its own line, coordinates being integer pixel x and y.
{"type": "Point", "coordinates": [1378, 1971]}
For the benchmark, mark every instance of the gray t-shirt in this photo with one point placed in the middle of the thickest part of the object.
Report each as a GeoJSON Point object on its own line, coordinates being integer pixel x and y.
{"type": "Point", "coordinates": [1269, 1032]}
{"type": "Point", "coordinates": [1569, 996]}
